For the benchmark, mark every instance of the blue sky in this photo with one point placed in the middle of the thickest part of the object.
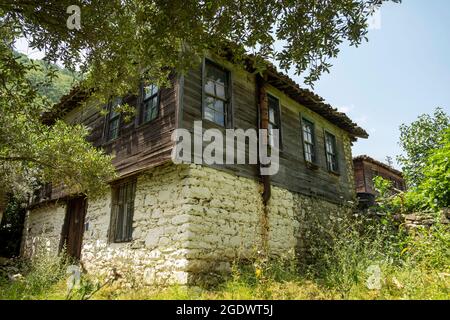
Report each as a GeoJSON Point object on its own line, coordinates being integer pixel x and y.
{"type": "Point", "coordinates": [402, 72]}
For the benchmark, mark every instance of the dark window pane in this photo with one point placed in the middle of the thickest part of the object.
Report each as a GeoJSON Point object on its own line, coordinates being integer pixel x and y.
{"type": "Point", "coordinates": [122, 211]}
{"type": "Point", "coordinates": [330, 147]}
{"type": "Point", "coordinates": [150, 91]}
{"type": "Point", "coordinates": [150, 103]}
{"type": "Point", "coordinates": [113, 128]}
{"type": "Point", "coordinates": [151, 109]}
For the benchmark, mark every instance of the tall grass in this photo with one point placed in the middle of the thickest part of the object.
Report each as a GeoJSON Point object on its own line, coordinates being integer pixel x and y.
{"type": "Point", "coordinates": [359, 258]}
{"type": "Point", "coordinates": [36, 279]}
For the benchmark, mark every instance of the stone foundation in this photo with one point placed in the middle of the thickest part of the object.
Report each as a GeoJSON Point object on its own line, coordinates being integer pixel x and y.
{"type": "Point", "coordinates": [42, 230]}
{"type": "Point", "coordinates": [191, 222]}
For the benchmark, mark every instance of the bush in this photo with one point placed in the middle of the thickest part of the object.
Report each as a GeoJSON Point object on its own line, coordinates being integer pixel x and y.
{"type": "Point", "coordinates": [36, 277]}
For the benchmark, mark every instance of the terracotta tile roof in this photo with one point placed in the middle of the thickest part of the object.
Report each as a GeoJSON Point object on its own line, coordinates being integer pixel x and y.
{"type": "Point", "coordinates": [313, 102]}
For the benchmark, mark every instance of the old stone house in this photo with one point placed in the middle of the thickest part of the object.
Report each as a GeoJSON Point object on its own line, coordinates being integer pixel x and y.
{"type": "Point", "coordinates": [181, 222]}
{"type": "Point", "coordinates": [367, 168]}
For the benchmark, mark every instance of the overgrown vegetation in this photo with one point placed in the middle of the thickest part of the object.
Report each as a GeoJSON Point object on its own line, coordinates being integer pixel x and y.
{"type": "Point", "coordinates": [367, 259]}
{"type": "Point", "coordinates": [357, 256]}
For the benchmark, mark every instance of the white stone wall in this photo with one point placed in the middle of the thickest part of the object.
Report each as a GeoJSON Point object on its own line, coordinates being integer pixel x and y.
{"type": "Point", "coordinates": [42, 230]}
{"type": "Point", "coordinates": [228, 221]}
{"type": "Point", "coordinates": [190, 223]}
{"type": "Point", "coordinates": [156, 253]}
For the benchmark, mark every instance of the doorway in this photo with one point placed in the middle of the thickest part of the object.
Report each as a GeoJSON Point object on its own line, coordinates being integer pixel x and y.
{"type": "Point", "coordinates": [73, 228]}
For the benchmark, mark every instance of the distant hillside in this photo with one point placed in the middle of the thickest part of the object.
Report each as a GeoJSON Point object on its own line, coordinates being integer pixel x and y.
{"type": "Point", "coordinates": [61, 85]}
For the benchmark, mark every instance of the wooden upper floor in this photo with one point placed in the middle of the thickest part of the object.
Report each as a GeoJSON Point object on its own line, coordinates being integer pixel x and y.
{"type": "Point", "coordinates": [315, 139]}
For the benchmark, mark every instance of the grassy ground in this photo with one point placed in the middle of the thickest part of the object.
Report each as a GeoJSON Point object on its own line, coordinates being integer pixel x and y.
{"type": "Point", "coordinates": [373, 263]}
{"type": "Point", "coordinates": [397, 284]}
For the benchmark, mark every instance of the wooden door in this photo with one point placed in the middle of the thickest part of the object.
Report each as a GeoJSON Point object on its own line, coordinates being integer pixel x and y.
{"type": "Point", "coordinates": [72, 235]}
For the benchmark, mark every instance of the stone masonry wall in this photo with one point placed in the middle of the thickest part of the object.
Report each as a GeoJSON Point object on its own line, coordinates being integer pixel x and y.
{"type": "Point", "coordinates": [227, 221]}
{"type": "Point", "coordinates": [42, 230]}
{"type": "Point", "coordinates": [190, 223]}
{"type": "Point", "coordinates": [157, 251]}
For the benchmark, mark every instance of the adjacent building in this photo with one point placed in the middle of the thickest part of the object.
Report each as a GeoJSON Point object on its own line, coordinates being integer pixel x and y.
{"type": "Point", "coordinates": [367, 168]}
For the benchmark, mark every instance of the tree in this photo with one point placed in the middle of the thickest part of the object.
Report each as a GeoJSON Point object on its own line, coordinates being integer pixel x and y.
{"type": "Point", "coordinates": [60, 85]}
{"type": "Point", "coordinates": [435, 185]}
{"type": "Point", "coordinates": [32, 152]}
{"type": "Point", "coordinates": [122, 42]}
{"type": "Point", "coordinates": [418, 140]}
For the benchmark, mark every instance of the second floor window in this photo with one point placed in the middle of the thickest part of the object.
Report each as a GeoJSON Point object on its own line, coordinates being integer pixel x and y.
{"type": "Point", "coordinates": [274, 119]}
{"type": "Point", "coordinates": [113, 119]}
{"type": "Point", "coordinates": [216, 91]}
{"type": "Point", "coordinates": [309, 141]}
{"type": "Point", "coordinates": [331, 153]}
{"type": "Point", "coordinates": [150, 103]}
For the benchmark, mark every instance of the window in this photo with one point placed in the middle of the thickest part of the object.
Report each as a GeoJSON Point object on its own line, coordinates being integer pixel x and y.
{"type": "Point", "coordinates": [216, 94]}
{"type": "Point", "coordinates": [309, 141]}
{"type": "Point", "coordinates": [122, 209]}
{"type": "Point", "coordinates": [331, 154]}
{"type": "Point", "coordinates": [274, 119]}
{"type": "Point", "coordinates": [113, 119]}
{"type": "Point", "coordinates": [150, 103]}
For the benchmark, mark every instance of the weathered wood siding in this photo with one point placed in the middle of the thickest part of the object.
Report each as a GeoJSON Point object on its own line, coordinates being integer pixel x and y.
{"type": "Point", "coordinates": [244, 104]}
{"type": "Point", "coordinates": [139, 145]}
{"type": "Point", "coordinates": [366, 171]}
{"type": "Point", "coordinates": [293, 174]}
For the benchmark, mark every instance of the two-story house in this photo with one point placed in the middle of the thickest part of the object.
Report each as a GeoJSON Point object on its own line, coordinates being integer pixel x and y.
{"type": "Point", "coordinates": [182, 222]}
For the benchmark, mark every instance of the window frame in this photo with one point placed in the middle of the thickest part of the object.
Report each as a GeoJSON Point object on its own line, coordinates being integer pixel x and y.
{"type": "Point", "coordinates": [335, 154]}
{"type": "Point", "coordinates": [143, 100]}
{"type": "Point", "coordinates": [123, 194]}
{"type": "Point", "coordinates": [228, 105]}
{"type": "Point", "coordinates": [117, 117]}
{"type": "Point", "coordinates": [303, 121]}
{"type": "Point", "coordinates": [279, 124]}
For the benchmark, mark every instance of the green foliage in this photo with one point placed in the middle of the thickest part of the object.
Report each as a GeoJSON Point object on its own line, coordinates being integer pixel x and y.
{"type": "Point", "coordinates": [419, 139]}
{"type": "Point", "coordinates": [435, 185]}
{"type": "Point", "coordinates": [32, 152]}
{"type": "Point", "coordinates": [119, 40]}
{"type": "Point", "coordinates": [37, 277]}
{"type": "Point", "coordinates": [60, 85]}
{"type": "Point", "coordinates": [11, 228]}
{"type": "Point", "coordinates": [412, 266]}
{"type": "Point", "coordinates": [122, 42]}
